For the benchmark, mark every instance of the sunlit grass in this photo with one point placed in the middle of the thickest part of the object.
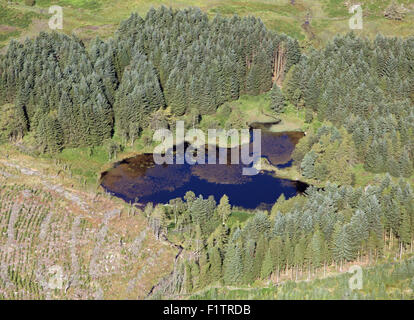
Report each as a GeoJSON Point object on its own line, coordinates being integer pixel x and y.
{"type": "Point", "coordinates": [90, 18]}
{"type": "Point", "coordinates": [238, 217]}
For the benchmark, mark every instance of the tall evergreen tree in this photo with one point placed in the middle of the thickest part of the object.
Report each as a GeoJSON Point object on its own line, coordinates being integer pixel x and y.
{"type": "Point", "coordinates": [278, 102]}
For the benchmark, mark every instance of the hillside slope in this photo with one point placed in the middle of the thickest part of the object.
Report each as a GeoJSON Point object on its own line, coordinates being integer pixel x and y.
{"type": "Point", "coordinates": [61, 243]}
{"type": "Point", "coordinates": [91, 18]}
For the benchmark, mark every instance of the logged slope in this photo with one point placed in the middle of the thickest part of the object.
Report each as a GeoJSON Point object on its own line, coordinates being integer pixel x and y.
{"type": "Point", "coordinates": [98, 245]}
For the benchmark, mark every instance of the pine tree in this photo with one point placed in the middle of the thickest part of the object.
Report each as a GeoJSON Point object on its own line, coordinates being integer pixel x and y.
{"type": "Point", "coordinates": [253, 80]}
{"type": "Point", "coordinates": [308, 115]}
{"type": "Point", "coordinates": [299, 256]}
{"type": "Point", "coordinates": [317, 249]}
{"type": "Point", "coordinates": [406, 165]}
{"type": "Point", "coordinates": [216, 264]}
{"type": "Point", "coordinates": [259, 255]}
{"type": "Point", "coordinates": [49, 135]}
{"type": "Point", "coordinates": [343, 244]}
{"type": "Point", "coordinates": [204, 264]}
{"type": "Point", "coordinates": [405, 229]}
{"type": "Point", "coordinates": [360, 226]}
{"type": "Point", "coordinates": [233, 267]}
{"type": "Point", "coordinates": [224, 209]}
{"type": "Point", "coordinates": [393, 167]}
{"type": "Point", "coordinates": [276, 250]}
{"type": "Point", "coordinates": [179, 101]}
{"type": "Point", "coordinates": [278, 102]}
{"type": "Point", "coordinates": [307, 165]}
{"type": "Point", "coordinates": [188, 281]}
{"type": "Point", "coordinates": [288, 252]}
{"type": "Point", "coordinates": [248, 261]}
{"type": "Point", "coordinates": [267, 267]}
{"type": "Point", "coordinates": [195, 275]}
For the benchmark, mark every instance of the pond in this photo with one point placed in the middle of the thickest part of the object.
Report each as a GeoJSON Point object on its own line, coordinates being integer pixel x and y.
{"type": "Point", "coordinates": [139, 179]}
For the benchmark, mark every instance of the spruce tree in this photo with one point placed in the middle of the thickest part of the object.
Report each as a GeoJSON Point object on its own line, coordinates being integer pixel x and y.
{"type": "Point", "coordinates": [278, 102]}
{"type": "Point", "coordinates": [233, 267]}
{"type": "Point", "coordinates": [216, 264]}
{"type": "Point", "coordinates": [308, 164]}
{"type": "Point", "coordinates": [261, 249]}
{"type": "Point", "coordinates": [406, 165]}
{"type": "Point", "coordinates": [248, 261]}
{"type": "Point", "coordinates": [224, 209]}
{"type": "Point", "coordinates": [268, 266]}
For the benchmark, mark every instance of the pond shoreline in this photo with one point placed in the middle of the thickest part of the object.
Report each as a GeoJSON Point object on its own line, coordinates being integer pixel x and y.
{"type": "Point", "coordinates": [137, 179]}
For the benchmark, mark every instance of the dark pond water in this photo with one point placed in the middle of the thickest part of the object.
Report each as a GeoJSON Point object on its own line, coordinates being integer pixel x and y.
{"type": "Point", "coordinates": [139, 178]}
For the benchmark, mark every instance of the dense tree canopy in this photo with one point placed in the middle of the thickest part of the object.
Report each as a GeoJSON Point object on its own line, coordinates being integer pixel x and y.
{"type": "Point", "coordinates": [178, 59]}
{"type": "Point", "coordinates": [368, 87]}
{"type": "Point", "coordinates": [300, 235]}
{"type": "Point", "coordinates": [67, 95]}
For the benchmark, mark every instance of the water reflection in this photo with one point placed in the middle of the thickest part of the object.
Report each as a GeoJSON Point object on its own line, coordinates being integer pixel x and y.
{"type": "Point", "coordinates": [139, 178]}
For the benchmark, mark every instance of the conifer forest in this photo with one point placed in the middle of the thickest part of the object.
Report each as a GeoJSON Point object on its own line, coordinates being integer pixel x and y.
{"type": "Point", "coordinates": [86, 213]}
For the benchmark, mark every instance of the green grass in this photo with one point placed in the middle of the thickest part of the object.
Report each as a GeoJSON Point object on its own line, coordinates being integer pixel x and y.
{"type": "Point", "coordinates": [238, 217]}
{"type": "Point", "coordinates": [15, 18]}
{"type": "Point", "coordinates": [362, 177]}
{"type": "Point", "coordinates": [85, 163]}
{"type": "Point", "coordinates": [253, 106]}
{"type": "Point", "coordinates": [12, 22]}
{"type": "Point", "coordinates": [5, 36]}
{"type": "Point", "coordinates": [83, 4]}
{"type": "Point", "coordinates": [329, 17]}
{"type": "Point", "coordinates": [89, 162]}
{"type": "Point", "coordinates": [291, 28]}
{"type": "Point", "coordinates": [257, 108]}
{"type": "Point", "coordinates": [335, 8]}
{"type": "Point", "coordinates": [278, 15]}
